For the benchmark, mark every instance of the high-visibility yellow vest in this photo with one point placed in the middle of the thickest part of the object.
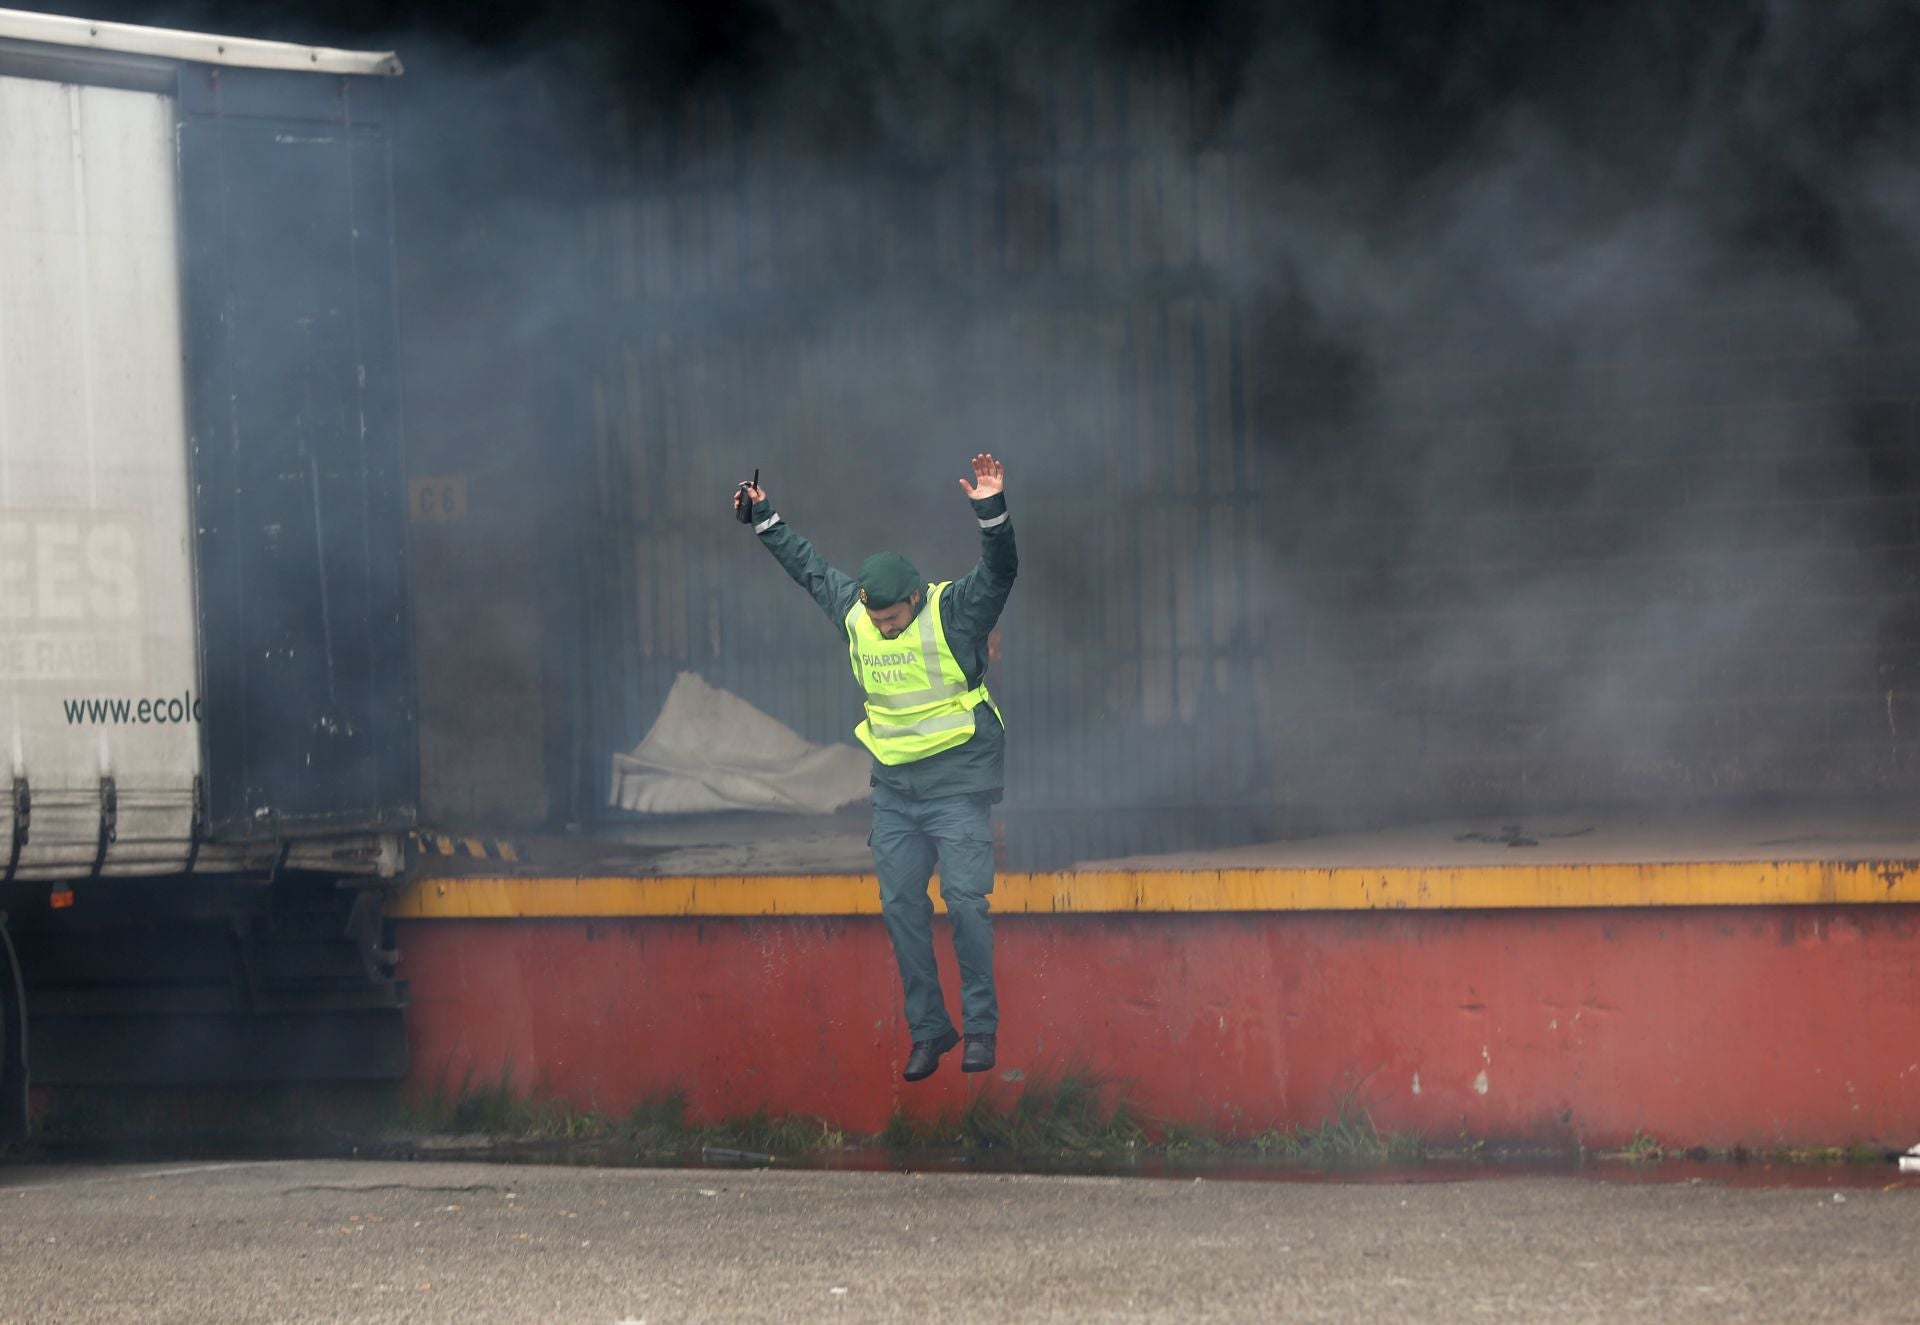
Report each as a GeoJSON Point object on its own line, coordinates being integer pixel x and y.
{"type": "Point", "coordinates": [917, 698]}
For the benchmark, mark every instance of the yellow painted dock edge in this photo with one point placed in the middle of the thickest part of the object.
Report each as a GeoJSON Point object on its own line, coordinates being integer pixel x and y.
{"type": "Point", "coordinates": [1091, 892]}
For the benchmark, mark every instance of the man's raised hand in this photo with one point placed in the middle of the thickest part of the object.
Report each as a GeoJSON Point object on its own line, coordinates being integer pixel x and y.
{"type": "Point", "coordinates": [989, 478]}
{"type": "Point", "coordinates": [747, 495]}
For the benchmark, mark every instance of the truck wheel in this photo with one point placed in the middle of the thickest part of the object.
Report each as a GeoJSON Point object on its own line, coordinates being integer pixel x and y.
{"type": "Point", "coordinates": [13, 1044]}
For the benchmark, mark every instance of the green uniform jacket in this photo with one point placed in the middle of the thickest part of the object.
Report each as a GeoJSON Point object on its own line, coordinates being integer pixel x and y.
{"type": "Point", "coordinates": [968, 610]}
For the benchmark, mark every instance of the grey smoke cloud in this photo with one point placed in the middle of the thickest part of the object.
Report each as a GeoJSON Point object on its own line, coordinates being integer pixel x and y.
{"type": "Point", "coordinates": [1389, 394]}
{"type": "Point", "coordinates": [1493, 314]}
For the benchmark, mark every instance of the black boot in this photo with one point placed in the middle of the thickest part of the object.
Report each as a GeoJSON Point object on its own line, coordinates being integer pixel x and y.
{"type": "Point", "coordinates": [979, 1054]}
{"type": "Point", "coordinates": [926, 1055]}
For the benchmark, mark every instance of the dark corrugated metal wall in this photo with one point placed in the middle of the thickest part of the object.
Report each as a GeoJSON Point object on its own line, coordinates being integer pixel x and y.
{"type": "Point", "coordinates": [1053, 295]}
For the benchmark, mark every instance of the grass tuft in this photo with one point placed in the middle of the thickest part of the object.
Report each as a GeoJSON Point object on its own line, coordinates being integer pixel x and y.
{"type": "Point", "coordinates": [1644, 1149]}
{"type": "Point", "coordinates": [761, 1132]}
{"type": "Point", "coordinates": [1349, 1136]}
{"type": "Point", "coordinates": [1078, 1115]}
{"type": "Point", "coordinates": [1070, 1115]}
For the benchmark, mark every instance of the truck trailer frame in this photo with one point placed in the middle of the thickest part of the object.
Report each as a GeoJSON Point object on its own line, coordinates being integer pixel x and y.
{"type": "Point", "coordinates": [206, 676]}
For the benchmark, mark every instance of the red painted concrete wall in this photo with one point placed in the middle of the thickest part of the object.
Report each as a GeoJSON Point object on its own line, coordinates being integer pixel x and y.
{"type": "Point", "coordinates": [1755, 1026]}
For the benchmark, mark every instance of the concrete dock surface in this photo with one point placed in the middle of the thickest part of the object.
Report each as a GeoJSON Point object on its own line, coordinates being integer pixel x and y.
{"type": "Point", "coordinates": [721, 845]}
{"type": "Point", "coordinates": [305, 1241]}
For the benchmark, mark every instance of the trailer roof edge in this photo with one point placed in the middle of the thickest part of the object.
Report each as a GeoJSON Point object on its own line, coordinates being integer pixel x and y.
{"type": "Point", "coordinates": [191, 47]}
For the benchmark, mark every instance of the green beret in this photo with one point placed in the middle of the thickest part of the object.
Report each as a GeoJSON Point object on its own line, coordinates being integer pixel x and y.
{"type": "Point", "coordinates": [887, 578]}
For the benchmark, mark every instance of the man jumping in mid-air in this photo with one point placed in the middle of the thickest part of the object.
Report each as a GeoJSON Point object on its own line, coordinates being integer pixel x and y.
{"type": "Point", "coordinates": [919, 654]}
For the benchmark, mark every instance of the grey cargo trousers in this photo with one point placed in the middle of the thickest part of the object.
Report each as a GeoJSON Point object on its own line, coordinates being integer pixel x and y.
{"type": "Point", "coordinates": [909, 837]}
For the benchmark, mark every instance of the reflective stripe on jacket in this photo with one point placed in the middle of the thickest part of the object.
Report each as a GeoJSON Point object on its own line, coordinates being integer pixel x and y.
{"type": "Point", "coordinates": [917, 698]}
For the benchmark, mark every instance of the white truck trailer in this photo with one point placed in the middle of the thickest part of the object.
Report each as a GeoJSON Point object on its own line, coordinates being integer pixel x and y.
{"type": "Point", "coordinates": [206, 684]}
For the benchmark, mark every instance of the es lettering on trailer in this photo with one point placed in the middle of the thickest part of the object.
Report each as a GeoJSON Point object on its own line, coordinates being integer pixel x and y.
{"type": "Point", "coordinates": [70, 597]}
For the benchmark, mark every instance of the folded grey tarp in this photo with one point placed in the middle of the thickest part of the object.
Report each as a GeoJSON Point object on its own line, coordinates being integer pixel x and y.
{"type": "Point", "coordinates": [711, 750]}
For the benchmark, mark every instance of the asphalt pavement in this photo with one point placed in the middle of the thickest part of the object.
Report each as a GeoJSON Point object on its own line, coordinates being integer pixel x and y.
{"type": "Point", "coordinates": [365, 1241]}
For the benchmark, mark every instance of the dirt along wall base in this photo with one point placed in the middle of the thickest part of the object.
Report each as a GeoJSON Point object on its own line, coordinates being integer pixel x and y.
{"type": "Point", "coordinates": [1722, 1025]}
